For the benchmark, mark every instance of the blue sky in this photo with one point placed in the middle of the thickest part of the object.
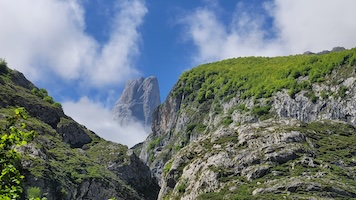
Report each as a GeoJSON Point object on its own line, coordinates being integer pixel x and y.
{"type": "Point", "coordinates": [83, 51]}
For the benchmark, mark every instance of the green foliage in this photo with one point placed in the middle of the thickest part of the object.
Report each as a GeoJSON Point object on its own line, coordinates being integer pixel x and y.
{"type": "Point", "coordinates": [48, 99]}
{"type": "Point", "coordinates": [13, 135]}
{"type": "Point", "coordinates": [153, 143]}
{"type": "Point", "coordinates": [227, 121]}
{"type": "Point", "coordinates": [323, 95]}
{"type": "Point", "coordinates": [58, 105]}
{"type": "Point", "coordinates": [260, 111]}
{"type": "Point", "coordinates": [3, 66]}
{"type": "Point", "coordinates": [259, 77]}
{"type": "Point", "coordinates": [34, 193]}
{"type": "Point", "coordinates": [242, 108]}
{"type": "Point", "coordinates": [43, 94]}
{"type": "Point", "coordinates": [197, 127]}
{"type": "Point", "coordinates": [167, 167]}
{"type": "Point", "coordinates": [342, 91]}
{"type": "Point", "coordinates": [200, 128]}
{"type": "Point", "coordinates": [182, 186]}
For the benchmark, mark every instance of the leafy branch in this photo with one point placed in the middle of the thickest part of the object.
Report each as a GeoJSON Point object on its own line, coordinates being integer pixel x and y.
{"type": "Point", "coordinates": [12, 136]}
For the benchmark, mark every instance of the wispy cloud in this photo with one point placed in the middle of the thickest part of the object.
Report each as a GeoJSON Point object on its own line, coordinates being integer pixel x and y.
{"type": "Point", "coordinates": [42, 37]}
{"type": "Point", "coordinates": [100, 120]}
{"type": "Point", "coordinates": [297, 26]}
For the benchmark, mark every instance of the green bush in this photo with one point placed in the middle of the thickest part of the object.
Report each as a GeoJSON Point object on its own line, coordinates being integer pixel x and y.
{"type": "Point", "coordinates": [48, 99]}
{"type": "Point", "coordinates": [13, 135]}
{"type": "Point", "coordinates": [3, 66]}
{"type": "Point", "coordinates": [58, 105]}
{"type": "Point", "coordinates": [33, 192]}
{"type": "Point", "coordinates": [153, 143]}
{"type": "Point", "coordinates": [43, 94]}
{"type": "Point", "coordinates": [227, 121]}
{"type": "Point", "coordinates": [167, 167]}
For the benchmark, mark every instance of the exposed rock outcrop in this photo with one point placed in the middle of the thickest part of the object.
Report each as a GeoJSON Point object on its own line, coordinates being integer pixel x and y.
{"type": "Point", "coordinates": [137, 101]}
{"type": "Point", "coordinates": [206, 146]}
{"type": "Point", "coordinates": [72, 133]}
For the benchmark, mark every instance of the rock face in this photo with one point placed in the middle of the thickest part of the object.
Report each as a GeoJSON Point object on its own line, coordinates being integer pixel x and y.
{"type": "Point", "coordinates": [138, 100]}
{"type": "Point", "coordinates": [291, 144]}
{"type": "Point", "coordinates": [66, 161]}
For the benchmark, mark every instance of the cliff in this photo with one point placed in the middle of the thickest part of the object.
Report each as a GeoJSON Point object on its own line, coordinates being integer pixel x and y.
{"type": "Point", "coordinates": [137, 101]}
{"type": "Point", "coordinates": [66, 160]}
{"type": "Point", "coordinates": [258, 128]}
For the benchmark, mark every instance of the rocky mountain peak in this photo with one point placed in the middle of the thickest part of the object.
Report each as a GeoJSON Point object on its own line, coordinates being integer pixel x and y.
{"type": "Point", "coordinates": [137, 101]}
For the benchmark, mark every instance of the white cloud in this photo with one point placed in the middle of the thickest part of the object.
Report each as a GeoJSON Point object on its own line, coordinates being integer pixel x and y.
{"type": "Point", "coordinates": [100, 120]}
{"type": "Point", "coordinates": [48, 36]}
{"type": "Point", "coordinates": [298, 26]}
{"type": "Point", "coordinates": [315, 25]}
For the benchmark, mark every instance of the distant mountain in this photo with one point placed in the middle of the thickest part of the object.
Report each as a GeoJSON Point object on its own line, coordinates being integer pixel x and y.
{"type": "Point", "coordinates": [137, 101]}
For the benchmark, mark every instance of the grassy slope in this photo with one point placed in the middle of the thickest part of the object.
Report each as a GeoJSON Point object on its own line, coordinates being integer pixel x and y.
{"type": "Point", "coordinates": [259, 76]}
{"type": "Point", "coordinates": [47, 158]}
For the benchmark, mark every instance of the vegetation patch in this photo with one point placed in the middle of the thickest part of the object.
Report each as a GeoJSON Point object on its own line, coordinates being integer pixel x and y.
{"type": "Point", "coordinates": [43, 94]}
{"type": "Point", "coordinates": [154, 143]}
{"type": "Point", "coordinates": [227, 121]}
{"type": "Point", "coordinates": [259, 77]}
{"type": "Point", "coordinates": [167, 167]}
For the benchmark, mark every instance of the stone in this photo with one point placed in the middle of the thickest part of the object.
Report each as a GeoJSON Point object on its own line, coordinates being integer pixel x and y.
{"type": "Point", "coordinates": [137, 101]}
{"type": "Point", "coordinates": [72, 133]}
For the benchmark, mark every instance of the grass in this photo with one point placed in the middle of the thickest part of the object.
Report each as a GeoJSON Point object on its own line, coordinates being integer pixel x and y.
{"type": "Point", "coordinates": [259, 77]}
{"type": "Point", "coordinates": [167, 167]}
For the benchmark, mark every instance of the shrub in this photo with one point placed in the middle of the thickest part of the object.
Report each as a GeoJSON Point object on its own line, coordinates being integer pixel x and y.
{"type": "Point", "coordinates": [14, 134]}
{"type": "Point", "coordinates": [48, 99]}
{"type": "Point", "coordinates": [3, 66]}
{"type": "Point", "coordinates": [260, 111]}
{"type": "Point", "coordinates": [58, 105]}
{"type": "Point", "coordinates": [227, 121]}
{"type": "Point", "coordinates": [342, 91]}
{"type": "Point", "coordinates": [167, 167]}
{"type": "Point", "coordinates": [153, 143]}
{"type": "Point", "coordinates": [33, 192]}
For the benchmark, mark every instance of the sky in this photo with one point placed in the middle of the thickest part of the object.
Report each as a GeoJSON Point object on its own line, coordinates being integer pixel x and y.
{"type": "Point", "coordinates": [83, 51]}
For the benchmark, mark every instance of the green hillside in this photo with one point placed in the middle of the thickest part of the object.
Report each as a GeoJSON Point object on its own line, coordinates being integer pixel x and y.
{"type": "Point", "coordinates": [261, 76]}
{"type": "Point", "coordinates": [65, 160]}
{"type": "Point", "coordinates": [259, 128]}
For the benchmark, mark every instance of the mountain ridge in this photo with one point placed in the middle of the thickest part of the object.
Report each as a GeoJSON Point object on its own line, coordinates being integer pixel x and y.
{"type": "Point", "coordinates": [242, 128]}
{"type": "Point", "coordinates": [213, 107]}
{"type": "Point", "coordinates": [65, 160]}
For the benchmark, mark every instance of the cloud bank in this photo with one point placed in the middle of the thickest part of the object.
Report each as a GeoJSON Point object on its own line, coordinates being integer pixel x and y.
{"type": "Point", "coordinates": [297, 26]}
{"type": "Point", "coordinates": [46, 39]}
{"type": "Point", "coordinates": [100, 120]}
{"type": "Point", "coordinates": [42, 37]}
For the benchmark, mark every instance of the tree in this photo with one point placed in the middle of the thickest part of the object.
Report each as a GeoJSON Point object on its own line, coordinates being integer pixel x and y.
{"type": "Point", "coordinates": [12, 136]}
